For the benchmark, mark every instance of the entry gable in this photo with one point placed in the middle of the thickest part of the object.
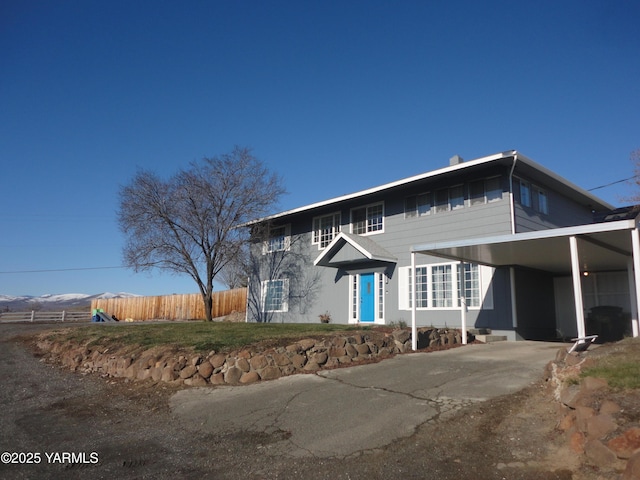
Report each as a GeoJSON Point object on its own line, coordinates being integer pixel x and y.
{"type": "Point", "coordinates": [348, 248]}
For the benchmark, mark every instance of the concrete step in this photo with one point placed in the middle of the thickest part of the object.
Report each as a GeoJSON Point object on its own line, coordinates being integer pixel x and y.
{"type": "Point", "coordinates": [479, 331]}
{"type": "Point", "coordinates": [491, 338]}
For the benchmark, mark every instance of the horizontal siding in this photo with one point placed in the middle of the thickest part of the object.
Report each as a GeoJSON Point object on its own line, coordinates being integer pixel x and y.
{"type": "Point", "coordinates": [469, 222]}
{"type": "Point", "coordinates": [563, 212]}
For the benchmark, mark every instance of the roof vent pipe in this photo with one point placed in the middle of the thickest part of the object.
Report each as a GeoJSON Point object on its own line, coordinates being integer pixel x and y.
{"type": "Point", "coordinates": [455, 160]}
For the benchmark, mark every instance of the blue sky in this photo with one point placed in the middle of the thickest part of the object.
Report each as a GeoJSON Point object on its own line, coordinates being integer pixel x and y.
{"type": "Point", "coordinates": [335, 96]}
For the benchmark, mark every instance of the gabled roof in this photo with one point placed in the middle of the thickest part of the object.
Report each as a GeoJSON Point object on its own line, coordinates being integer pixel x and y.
{"type": "Point", "coordinates": [508, 157]}
{"type": "Point", "coordinates": [348, 248]}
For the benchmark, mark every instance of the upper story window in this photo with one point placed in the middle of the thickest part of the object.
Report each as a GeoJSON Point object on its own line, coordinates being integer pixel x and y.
{"type": "Point", "coordinates": [485, 191]}
{"type": "Point", "coordinates": [456, 197]}
{"type": "Point", "coordinates": [417, 205]}
{"type": "Point", "coordinates": [542, 205]}
{"type": "Point", "coordinates": [532, 196]}
{"type": "Point", "coordinates": [448, 199]}
{"type": "Point", "coordinates": [325, 229]}
{"type": "Point", "coordinates": [369, 219]}
{"type": "Point", "coordinates": [278, 240]}
{"type": "Point", "coordinates": [442, 200]}
{"type": "Point", "coordinates": [525, 193]}
{"type": "Point", "coordinates": [478, 192]}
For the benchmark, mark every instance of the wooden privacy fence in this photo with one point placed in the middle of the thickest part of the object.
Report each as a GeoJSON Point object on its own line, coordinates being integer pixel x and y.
{"type": "Point", "coordinates": [173, 307]}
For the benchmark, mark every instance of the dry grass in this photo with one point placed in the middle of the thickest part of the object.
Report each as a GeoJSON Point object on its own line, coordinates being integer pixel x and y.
{"type": "Point", "coordinates": [199, 336]}
{"type": "Point", "coordinates": [621, 367]}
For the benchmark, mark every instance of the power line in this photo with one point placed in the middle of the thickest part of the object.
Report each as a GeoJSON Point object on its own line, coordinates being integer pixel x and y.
{"type": "Point", "coordinates": [62, 270]}
{"type": "Point", "coordinates": [613, 183]}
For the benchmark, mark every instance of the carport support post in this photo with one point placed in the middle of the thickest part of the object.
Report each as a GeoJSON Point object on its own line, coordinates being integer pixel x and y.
{"type": "Point", "coordinates": [635, 242]}
{"type": "Point", "coordinates": [633, 296]}
{"type": "Point", "coordinates": [577, 286]}
{"type": "Point", "coordinates": [463, 319]}
{"type": "Point", "coordinates": [463, 303]}
{"type": "Point", "coordinates": [414, 328]}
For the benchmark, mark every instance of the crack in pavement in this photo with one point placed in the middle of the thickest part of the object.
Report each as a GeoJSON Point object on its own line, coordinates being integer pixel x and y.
{"type": "Point", "coordinates": [443, 405]}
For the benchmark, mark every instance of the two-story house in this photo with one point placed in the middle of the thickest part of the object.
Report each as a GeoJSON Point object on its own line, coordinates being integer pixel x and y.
{"type": "Point", "coordinates": [490, 236]}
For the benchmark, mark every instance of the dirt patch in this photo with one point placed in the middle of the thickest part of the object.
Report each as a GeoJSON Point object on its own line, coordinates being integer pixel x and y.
{"type": "Point", "coordinates": [129, 425]}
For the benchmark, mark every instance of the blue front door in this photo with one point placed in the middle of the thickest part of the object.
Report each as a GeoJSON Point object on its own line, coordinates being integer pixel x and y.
{"type": "Point", "coordinates": [367, 297]}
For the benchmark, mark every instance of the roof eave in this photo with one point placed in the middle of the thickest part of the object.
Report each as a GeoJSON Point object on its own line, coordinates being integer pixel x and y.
{"type": "Point", "coordinates": [350, 196]}
{"type": "Point", "coordinates": [434, 173]}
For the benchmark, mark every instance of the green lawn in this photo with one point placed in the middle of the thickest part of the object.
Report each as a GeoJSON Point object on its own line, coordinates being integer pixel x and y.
{"type": "Point", "coordinates": [621, 367]}
{"type": "Point", "coordinates": [200, 336]}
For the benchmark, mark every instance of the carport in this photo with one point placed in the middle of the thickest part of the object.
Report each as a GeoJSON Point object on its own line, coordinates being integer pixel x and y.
{"type": "Point", "coordinates": [574, 251]}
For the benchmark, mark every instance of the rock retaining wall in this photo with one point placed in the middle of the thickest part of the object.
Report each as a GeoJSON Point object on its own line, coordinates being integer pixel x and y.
{"type": "Point", "coordinates": [590, 421]}
{"type": "Point", "coordinates": [244, 366]}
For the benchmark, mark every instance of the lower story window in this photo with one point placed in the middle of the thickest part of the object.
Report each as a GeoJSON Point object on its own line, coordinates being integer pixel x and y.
{"type": "Point", "coordinates": [440, 286]}
{"type": "Point", "coordinates": [380, 295]}
{"type": "Point", "coordinates": [470, 284]}
{"type": "Point", "coordinates": [355, 298]}
{"type": "Point", "coordinates": [275, 295]}
{"type": "Point", "coordinates": [422, 287]}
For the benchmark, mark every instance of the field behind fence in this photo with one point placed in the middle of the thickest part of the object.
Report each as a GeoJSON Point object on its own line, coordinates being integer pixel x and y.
{"type": "Point", "coordinates": [173, 307]}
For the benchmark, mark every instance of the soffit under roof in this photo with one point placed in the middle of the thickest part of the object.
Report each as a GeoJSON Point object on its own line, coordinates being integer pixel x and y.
{"type": "Point", "coordinates": [524, 166]}
{"type": "Point", "coordinates": [601, 247]}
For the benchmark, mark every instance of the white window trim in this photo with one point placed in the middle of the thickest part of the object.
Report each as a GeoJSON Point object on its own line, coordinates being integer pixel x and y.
{"type": "Point", "coordinates": [485, 275]}
{"type": "Point", "coordinates": [354, 295]}
{"type": "Point", "coordinates": [367, 218]}
{"type": "Point", "coordinates": [287, 240]}
{"type": "Point", "coordinates": [285, 295]}
{"type": "Point", "coordinates": [379, 279]}
{"type": "Point", "coordinates": [315, 240]}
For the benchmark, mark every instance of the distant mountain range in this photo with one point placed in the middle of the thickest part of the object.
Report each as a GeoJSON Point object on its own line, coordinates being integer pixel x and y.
{"type": "Point", "coordinates": [54, 302]}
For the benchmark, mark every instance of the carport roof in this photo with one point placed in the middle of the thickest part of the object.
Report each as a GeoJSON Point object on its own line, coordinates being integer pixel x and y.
{"type": "Point", "coordinates": [601, 246]}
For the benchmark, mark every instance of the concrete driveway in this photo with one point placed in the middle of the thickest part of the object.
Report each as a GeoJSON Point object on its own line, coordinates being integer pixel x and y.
{"type": "Point", "coordinates": [338, 413]}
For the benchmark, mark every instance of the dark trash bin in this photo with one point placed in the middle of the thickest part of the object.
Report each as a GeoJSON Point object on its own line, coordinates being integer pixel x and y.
{"type": "Point", "coordinates": [606, 321]}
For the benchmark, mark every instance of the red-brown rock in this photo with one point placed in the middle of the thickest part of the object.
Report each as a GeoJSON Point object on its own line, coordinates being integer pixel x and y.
{"type": "Point", "coordinates": [598, 454]}
{"type": "Point", "coordinates": [626, 444]}
{"type": "Point", "coordinates": [632, 472]}
{"type": "Point", "coordinates": [205, 369]}
{"type": "Point", "coordinates": [249, 377]}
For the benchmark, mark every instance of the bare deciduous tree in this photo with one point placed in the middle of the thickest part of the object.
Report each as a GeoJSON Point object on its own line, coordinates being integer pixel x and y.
{"type": "Point", "coordinates": [635, 181]}
{"type": "Point", "coordinates": [235, 274]}
{"type": "Point", "coordinates": [188, 223]}
{"type": "Point", "coordinates": [291, 263]}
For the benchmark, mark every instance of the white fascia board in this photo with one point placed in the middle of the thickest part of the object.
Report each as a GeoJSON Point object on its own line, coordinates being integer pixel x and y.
{"type": "Point", "coordinates": [328, 248]}
{"type": "Point", "coordinates": [350, 196]}
{"type": "Point", "coordinates": [563, 180]}
{"type": "Point", "coordinates": [435, 173]}
{"type": "Point", "coordinates": [348, 239]}
{"type": "Point", "coordinates": [538, 234]}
